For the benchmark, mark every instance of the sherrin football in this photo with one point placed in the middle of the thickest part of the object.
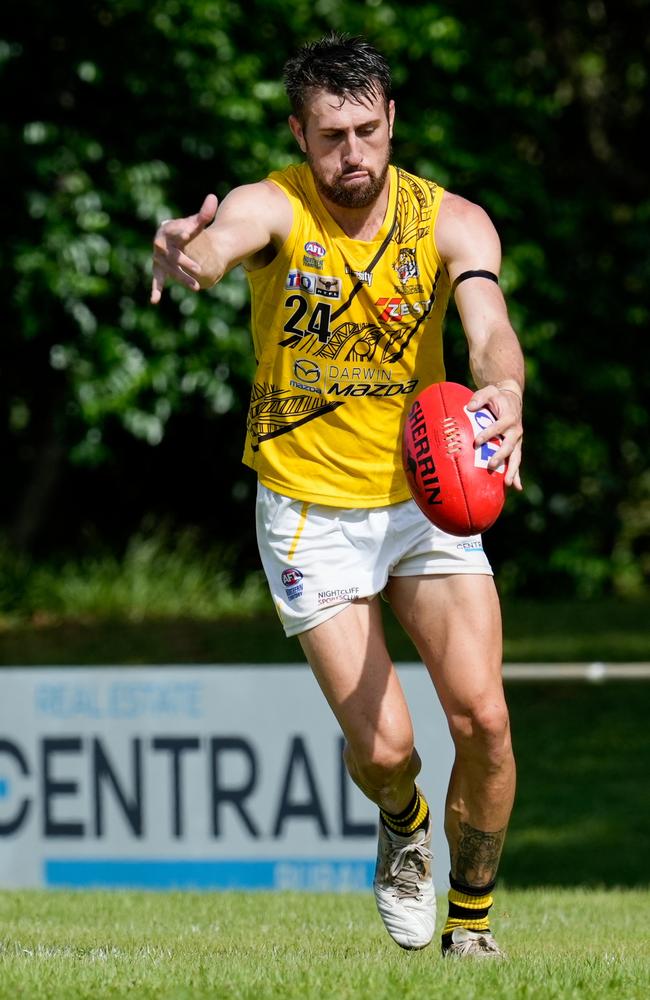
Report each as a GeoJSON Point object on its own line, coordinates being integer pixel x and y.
{"type": "Point", "coordinates": [448, 477]}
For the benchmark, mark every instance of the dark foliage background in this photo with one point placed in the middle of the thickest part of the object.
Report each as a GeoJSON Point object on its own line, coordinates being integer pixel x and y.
{"type": "Point", "coordinates": [117, 114]}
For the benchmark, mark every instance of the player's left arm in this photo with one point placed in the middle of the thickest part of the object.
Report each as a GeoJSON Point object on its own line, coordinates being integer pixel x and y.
{"type": "Point", "coordinates": [468, 242]}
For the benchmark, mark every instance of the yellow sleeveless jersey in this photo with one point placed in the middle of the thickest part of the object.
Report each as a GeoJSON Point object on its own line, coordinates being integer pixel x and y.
{"type": "Point", "coordinates": [346, 334]}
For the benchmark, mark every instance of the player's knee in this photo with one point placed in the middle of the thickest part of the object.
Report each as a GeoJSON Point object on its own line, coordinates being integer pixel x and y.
{"type": "Point", "coordinates": [483, 729]}
{"type": "Point", "coordinates": [381, 763]}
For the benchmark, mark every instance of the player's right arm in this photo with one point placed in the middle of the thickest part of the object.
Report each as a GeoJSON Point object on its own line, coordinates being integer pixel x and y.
{"type": "Point", "coordinates": [248, 227]}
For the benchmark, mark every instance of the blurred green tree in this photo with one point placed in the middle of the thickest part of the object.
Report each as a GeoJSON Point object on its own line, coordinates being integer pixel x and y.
{"type": "Point", "coordinates": [118, 113]}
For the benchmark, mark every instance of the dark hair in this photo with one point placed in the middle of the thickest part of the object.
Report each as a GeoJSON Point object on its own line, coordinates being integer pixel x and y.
{"type": "Point", "coordinates": [343, 65]}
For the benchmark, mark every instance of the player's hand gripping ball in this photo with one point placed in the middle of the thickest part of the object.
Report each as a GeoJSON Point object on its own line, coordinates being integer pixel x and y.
{"type": "Point", "coordinates": [448, 477]}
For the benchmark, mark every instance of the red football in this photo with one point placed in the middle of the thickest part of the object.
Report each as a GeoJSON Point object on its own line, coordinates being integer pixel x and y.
{"type": "Point", "coordinates": [448, 477]}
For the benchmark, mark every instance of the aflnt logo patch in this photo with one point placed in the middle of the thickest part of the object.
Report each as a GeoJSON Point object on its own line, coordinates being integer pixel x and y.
{"type": "Point", "coordinates": [315, 249]}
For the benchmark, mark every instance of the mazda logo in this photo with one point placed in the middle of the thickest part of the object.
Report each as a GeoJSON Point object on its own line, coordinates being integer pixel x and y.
{"type": "Point", "coordinates": [306, 371]}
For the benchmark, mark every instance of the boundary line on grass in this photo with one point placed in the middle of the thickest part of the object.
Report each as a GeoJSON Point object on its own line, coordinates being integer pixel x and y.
{"type": "Point", "coordinates": [593, 672]}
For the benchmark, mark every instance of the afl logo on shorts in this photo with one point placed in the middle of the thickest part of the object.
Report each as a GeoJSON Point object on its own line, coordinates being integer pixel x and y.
{"type": "Point", "coordinates": [291, 577]}
{"type": "Point", "coordinates": [306, 371]}
{"type": "Point", "coordinates": [315, 249]}
{"type": "Point", "coordinates": [292, 580]}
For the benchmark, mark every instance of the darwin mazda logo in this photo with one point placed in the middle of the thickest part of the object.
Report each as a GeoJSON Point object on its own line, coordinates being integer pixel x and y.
{"type": "Point", "coordinates": [306, 371]}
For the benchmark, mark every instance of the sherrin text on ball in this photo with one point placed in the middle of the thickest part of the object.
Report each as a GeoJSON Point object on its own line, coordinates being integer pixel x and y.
{"type": "Point", "coordinates": [448, 476]}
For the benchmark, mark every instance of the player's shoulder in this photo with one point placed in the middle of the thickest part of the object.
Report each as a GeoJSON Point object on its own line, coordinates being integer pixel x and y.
{"type": "Point", "coordinates": [462, 223]}
{"type": "Point", "coordinates": [292, 179]}
{"type": "Point", "coordinates": [422, 189]}
{"type": "Point", "coordinates": [272, 192]}
{"type": "Point", "coordinates": [262, 202]}
{"type": "Point", "coordinates": [456, 210]}
{"type": "Point", "coordinates": [256, 193]}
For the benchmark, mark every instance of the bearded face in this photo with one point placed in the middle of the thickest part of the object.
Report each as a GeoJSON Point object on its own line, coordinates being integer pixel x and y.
{"type": "Point", "coordinates": [347, 145]}
{"type": "Point", "coordinates": [347, 188]}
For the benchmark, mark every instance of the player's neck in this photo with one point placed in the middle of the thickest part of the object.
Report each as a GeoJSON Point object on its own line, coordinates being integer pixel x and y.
{"type": "Point", "coordinates": [360, 223]}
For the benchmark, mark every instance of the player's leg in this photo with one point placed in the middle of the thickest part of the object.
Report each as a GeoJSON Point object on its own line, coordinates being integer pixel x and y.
{"type": "Point", "coordinates": [350, 661]}
{"type": "Point", "coordinates": [455, 623]}
{"type": "Point", "coordinates": [325, 567]}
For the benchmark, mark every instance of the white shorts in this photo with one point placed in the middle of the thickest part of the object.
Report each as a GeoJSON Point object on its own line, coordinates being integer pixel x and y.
{"type": "Point", "coordinates": [317, 559]}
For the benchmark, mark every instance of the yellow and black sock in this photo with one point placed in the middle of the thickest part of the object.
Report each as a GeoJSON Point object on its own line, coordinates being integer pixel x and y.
{"type": "Point", "coordinates": [469, 906]}
{"type": "Point", "coordinates": [414, 817]}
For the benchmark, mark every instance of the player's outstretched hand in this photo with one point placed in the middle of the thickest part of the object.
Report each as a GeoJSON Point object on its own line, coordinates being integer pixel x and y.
{"type": "Point", "coordinates": [173, 235]}
{"type": "Point", "coordinates": [506, 405]}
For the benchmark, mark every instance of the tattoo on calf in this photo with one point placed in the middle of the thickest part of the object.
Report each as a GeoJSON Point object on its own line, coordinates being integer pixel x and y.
{"type": "Point", "coordinates": [477, 855]}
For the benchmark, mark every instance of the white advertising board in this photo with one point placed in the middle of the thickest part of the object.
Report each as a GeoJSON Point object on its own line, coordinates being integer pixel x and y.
{"type": "Point", "coordinates": [220, 777]}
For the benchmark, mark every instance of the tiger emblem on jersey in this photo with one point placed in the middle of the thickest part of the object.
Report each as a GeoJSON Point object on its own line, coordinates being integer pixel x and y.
{"type": "Point", "coordinates": [406, 265]}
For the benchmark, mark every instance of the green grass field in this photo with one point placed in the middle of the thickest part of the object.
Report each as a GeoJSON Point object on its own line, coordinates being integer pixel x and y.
{"type": "Point", "coordinates": [549, 631]}
{"type": "Point", "coordinates": [168, 599]}
{"type": "Point", "coordinates": [580, 825]}
{"type": "Point", "coordinates": [561, 944]}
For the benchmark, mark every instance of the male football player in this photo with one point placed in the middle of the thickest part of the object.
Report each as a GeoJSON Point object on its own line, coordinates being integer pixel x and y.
{"type": "Point", "coordinates": [351, 263]}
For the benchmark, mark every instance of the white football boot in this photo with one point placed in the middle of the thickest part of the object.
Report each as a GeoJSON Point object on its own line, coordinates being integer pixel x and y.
{"type": "Point", "coordinates": [472, 944]}
{"type": "Point", "coordinates": [403, 886]}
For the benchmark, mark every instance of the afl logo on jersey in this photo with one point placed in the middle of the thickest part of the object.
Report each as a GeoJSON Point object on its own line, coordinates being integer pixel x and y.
{"type": "Point", "coordinates": [315, 249]}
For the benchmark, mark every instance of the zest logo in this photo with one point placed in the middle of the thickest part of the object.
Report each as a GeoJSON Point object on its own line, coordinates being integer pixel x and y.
{"type": "Point", "coordinates": [393, 309]}
{"type": "Point", "coordinates": [396, 310]}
